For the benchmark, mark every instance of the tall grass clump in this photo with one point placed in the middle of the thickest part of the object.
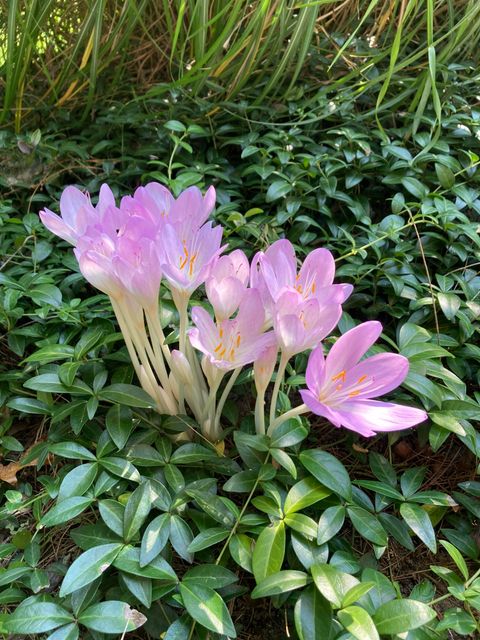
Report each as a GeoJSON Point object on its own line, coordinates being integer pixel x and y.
{"type": "Point", "coordinates": [72, 54]}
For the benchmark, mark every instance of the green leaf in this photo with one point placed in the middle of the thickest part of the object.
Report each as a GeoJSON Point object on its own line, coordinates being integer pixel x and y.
{"type": "Point", "coordinates": [46, 294]}
{"type": "Point", "coordinates": [137, 509]}
{"type": "Point", "coordinates": [456, 556]}
{"type": "Point", "coordinates": [210, 575]}
{"type": "Point", "coordinates": [411, 480]}
{"type": "Point", "coordinates": [398, 616]}
{"type": "Point", "coordinates": [285, 461]}
{"type": "Point", "coordinates": [367, 525]}
{"type": "Point", "coordinates": [128, 560]}
{"type": "Point", "coordinates": [382, 468]}
{"type": "Point", "coordinates": [127, 394]}
{"type": "Point", "coordinates": [139, 587]}
{"type": "Point", "coordinates": [37, 617]}
{"type": "Point", "coordinates": [445, 176]}
{"type": "Point", "coordinates": [328, 471]}
{"type": "Point", "coordinates": [112, 513]}
{"type": "Point", "coordinates": [78, 480]}
{"type": "Point", "coordinates": [280, 582]}
{"type": "Point", "coordinates": [330, 523]}
{"type": "Point", "coordinates": [357, 622]}
{"type": "Point", "coordinates": [303, 524]}
{"type": "Point", "coordinates": [50, 383]}
{"type": "Point", "coordinates": [213, 506]}
{"type": "Point", "coordinates": [89, 566]}
{"type": "Point", "coordinates": [119, 424]}
{"type": "Point", "coordinates": [313, 615]}
{"type": "Point", "coordinates": [356, 592]}
{"type": "Point", "coordinates": [71, 450]}
{"type": "Point", "coordinates": [68, 632]}
{"type": "Point", "coordinates": [419, 522]}
{"type": "Point", "coordinates": [66, 510]}
{"type": "Point", "coordinates": [154, 538]}
{"type": "Point", "coordinates": [332, 583]}
{"type": "Point", "coordinates": [8, 576]}
{"type": "Point", "coordinates": [277, 189]}
{"type": "Point", "coordinates": [121, 467]}
{"type": "Point", "coordinates": [457, 620]}
{"type": "Point", "coordinates": [175, 125]}
{"type": "Point", "coordinates": [29, 405]}
{"type": "Point", "coordinates": [288, 434]}
{"type": "Point", "coordinates": [181, 537]}
{"type": "Point", "coordinates": [415, 187]}
{"type": "Point", "coordinates": [112, 616]}
{"type": "Point", "coordinates": [269, 551]}
{"type": "Point", "coordinates": [207, 608]}
{"type": "Point", "coordinates": [241, 550]}
{"type": "Point", "coordinates": [207, 538]}
{"type": "Point", "coordinates": [449, 304]}
{"type": "Point", "coordinates": [51, 353]}
{"type": "Point", "coordinates": [303, 494]}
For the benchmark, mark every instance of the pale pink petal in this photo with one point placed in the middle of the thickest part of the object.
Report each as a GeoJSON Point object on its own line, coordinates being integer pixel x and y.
{"type": "Point", "coordinates": [370, 416]}
{"type": "Point", "coordinates": [350, 347]}
{"type": "Point", "coordinates": [71, 201]}
{"type": "Point", "coordinates": [377, 375]}
{"type": "Point", "coordinates": [56, 225]}
{"type": "Point", "coordinates": [264, 366]}
{"type": "Point", "coordinates": [106, 200]}
{"type": "Point", "coordinates": [251, 316]}
{"type": "Point", "coordinates": [318, 269]}
{"type": "Point", "coordinates": [290, 333]}
{"type": "Point", "coordinates": [241, 268]}
{"type": "Point", "coordinates": [224, 295]}
{"type": "Point", "coordinates": [318, 408]}
{"type": "Point", "coordinates": [315, 370]}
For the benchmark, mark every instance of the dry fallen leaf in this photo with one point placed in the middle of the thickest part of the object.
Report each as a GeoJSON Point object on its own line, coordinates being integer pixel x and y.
{"type": "Point", "coordinates": [8, 472]}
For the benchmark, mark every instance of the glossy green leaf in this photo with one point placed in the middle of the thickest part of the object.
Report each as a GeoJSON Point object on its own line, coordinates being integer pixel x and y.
{"type": "Point", "coordinates": [37, 617]}
{"type": "Point", "coordinates": [78, 480]}
{"type": "Point", "coordinates": [357, 622]}
{"type": "Point", "coordinates": [241, 550]}
{"type": "Point", "coordinates": [111, 616]}
{"type": "Point", "coordinates": [154, 538]}
{"type": "Point", "coordinates": [211, 575]}
{"type": "Point", "coordinates": [119, 424]}
{"type": "Point", "coordinates": [269, 551]}
{"type": "Point", "coordinates": [128, 560]}
{"type": "Point", "coordinates": [419, 522]}
{"type": "Point", "coordinates": [89, 566]}
{"type": "Point", "coordinates": [367, 525]}
{"type": "Point", "coordinates": [303, 494]}
{"type": "Point", "coordinates": [137, 509]}
{"type": "Point", "coordinates": [66, 510]}
{"type": "Point", "coordinates": [398, 616]}
{"type": "Point", "coordinates": [313, 615]}
{"type": "Point", "coordinates": [332, 583]}
{"type": "Point", "coordinates": [128, 395]}
{"type": "Point", "coordinates": [112, 513]}
{"type": "Point", "coordinates": [207, 538]}
{"type": "Point", "coordinates": [280, 582]}
{"type": "Point", "coordinates": [330, 523]}
{"type": "Point", "coordinates": [329, 471]}
{"type": "Point", "coordinates": [207, 608]}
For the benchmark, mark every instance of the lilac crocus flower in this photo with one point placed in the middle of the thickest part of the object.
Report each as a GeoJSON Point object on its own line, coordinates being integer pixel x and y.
{"type": "Point", "coordinates": [275, 272]}
{"type": "Point", "coordinates": [188, 212]}
{"type": "Point", "coordinates": [77, 213]}
{"type": "Point", "coordinates": [188, 258]}
{"type": "Point", "coordinates": [227, 283]}
{"type": "Point", "coordinates": [301, 324]}
{"type": "Point", "coordinates": [341, 386]}
{"type": "Point", "coordinates": [232, 343]}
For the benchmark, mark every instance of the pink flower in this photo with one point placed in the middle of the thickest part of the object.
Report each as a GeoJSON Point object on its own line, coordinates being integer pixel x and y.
{"type": "Point", "coordinates": [301, 324]}
{"type": "Point", "coordinates": [188, 212]}
{"type": "Point", "coordinates": [77, 213]}
{"type": "Point", "coordinates": [232, 343]}
{"type": "Point", "coordinates": [341, 387]}
{"type": "Point", "coordinates": [275, 272]}
{"type": "Point", "coordinates": [227, 283]}
{"type": "Point", "coordinates": [188, 258]}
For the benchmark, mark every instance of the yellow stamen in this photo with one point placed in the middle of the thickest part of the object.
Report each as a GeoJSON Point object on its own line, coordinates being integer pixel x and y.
{"type": "Point", "coordinates": [192, 262]}
{"type": "Point", "coordinates": [218, 347]}
{"type": "Point", "coordinates": [340, 376]}
{"type": "Point", "coordinates": [222, 352]}
{"type": "Point", "coordinates": [314, 286]}
{"type": "Point", "coordinates": [339, 387]}
{"type": "Point", "coordinates": [220, 332]}
{"type": "Point", "coordinates": [239, 339]}
{"type": "Point", "coordinates": [353, 394]}
{"type": "Point", "coordinates": [362, 378]}
{"type": "Point", "coordinates": [183, 262]}
{"type": "Point", "coordinates": [232, 355]}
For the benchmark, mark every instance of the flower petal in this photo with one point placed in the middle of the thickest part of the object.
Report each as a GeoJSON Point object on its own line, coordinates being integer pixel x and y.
{"type": "Point", "coordinates": [378, 374]}
{"type": "Point", "coordinates": [56, 225]}
{"type": "Point", "coordinates": [315, 370]}
{"type": "Point", "coordinates": [369, 416]}
{"type": "Point", "coordinates": [318, 268]}
{"type": "Point", "coordinates": [350, 347]}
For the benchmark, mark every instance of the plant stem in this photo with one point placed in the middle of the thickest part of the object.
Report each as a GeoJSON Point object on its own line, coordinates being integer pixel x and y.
{"type": "Point", "coordinates": [297, 411]}
{"type": "Point", "coordinates": [224, 396]}
{"type": "Point", "coordinates": [278, 382]}
{"type": "Point", "coordinates": [260, 413]}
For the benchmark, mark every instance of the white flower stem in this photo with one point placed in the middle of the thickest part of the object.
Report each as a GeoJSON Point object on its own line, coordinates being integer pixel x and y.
{"type": "Point", "coordinates": [278, 381]}
{"type": "Point", "coordinates": [224, 396]}
{"type": "Point", "coordinates": [296, 411]}
{"type": "Point", "coordinates": [260, 413]}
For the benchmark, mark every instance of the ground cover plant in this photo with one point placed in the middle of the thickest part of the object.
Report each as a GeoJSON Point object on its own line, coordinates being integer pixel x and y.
{"type": "Point", "coordinates": [113, 524]}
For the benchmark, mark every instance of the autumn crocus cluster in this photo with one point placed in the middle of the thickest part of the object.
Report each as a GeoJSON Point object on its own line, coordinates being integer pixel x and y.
{"type": "Point", "coordinates": [262, 313]}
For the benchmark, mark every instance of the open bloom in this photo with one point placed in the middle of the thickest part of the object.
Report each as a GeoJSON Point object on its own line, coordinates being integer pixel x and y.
{"type": "Point", "coordinates": [301, 324]}
{"type": "Point", "coordinates": [227, 283]}
{"type": "Point", "coordinates": [232, 343]}
{"type": "Point", "coordinates": [77, 213]}
{"type": "Point", "coordinates": [341, 386]}
{"type": "Point", "coordinates": [275, 272]}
